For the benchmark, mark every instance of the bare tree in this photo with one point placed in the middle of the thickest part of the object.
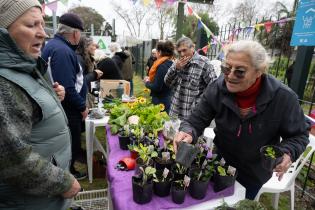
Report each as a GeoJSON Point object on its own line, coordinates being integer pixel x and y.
{"type": "Point", "coordinates": [245, 11]}
{"type": "Point", "coordinates": [164, 16]}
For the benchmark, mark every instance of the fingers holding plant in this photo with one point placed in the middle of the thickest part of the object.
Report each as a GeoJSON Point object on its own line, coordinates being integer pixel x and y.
{"type": "Point", "coordinates": [283, 166]}
{"type": "Point", "coordinates": [181, 136]}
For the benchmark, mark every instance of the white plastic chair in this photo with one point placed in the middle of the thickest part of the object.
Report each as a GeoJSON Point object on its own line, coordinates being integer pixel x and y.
{"type": "Point", "coordinates": [288, 180]}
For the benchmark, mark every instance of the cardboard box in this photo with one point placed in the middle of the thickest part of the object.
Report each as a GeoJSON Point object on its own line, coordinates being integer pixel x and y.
{"type": "Point", "coordinates": [109, 87]}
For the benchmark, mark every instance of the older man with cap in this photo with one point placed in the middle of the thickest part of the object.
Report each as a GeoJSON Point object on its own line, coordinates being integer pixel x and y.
{"type": "Point", "coordinates": [64, 65]}
{"type": "Point", "coordinates": [35, 139]}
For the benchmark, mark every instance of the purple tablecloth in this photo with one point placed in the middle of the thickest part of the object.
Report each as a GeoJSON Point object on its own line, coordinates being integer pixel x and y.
{"type": "Point", "coordinates": [121, 187]}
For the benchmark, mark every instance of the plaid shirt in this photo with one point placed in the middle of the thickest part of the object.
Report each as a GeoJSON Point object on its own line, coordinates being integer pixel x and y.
{"type": "Point", "coordinates": [188, 84]}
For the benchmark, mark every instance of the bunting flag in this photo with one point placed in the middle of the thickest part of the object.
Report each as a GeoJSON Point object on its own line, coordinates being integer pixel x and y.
{"type": "Point", "coordinates": [257, 26]}
{"type": "Point", "coordinates": [199, 24]}
{"type": "Point", "coordinates": [158, 3]}
{"type": "Point", "coordinates": [170, 2]}
{"type": "Point", "coordinates": [146, 2]}
{"type": "Point", "coordinates": [52, 6]}
{"type": "Point", "coordinates": [205, 49]}
{"type": "Point", "coordinates": [268, 26]}
{"type": "Point", "coordinates": [65, 2]}
{"type": "Point", "coordinates": [248, 31]}
{"type": "Point", "coordinates": [189, 9]}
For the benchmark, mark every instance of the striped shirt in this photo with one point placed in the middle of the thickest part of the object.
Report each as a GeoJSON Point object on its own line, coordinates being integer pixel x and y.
{"type": "Point", "coordinates": [188, 84]}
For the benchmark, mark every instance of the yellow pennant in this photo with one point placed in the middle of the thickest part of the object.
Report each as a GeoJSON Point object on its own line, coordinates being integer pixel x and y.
{"type": "Point", "coordinates": [146, 2]}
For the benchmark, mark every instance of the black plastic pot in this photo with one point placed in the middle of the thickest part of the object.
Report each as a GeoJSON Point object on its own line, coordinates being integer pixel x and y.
{"type": "Point", "coordinates": [197, 189]}
{"type": "Point", "coordinates": [124, 141]}
{"type": "Point", "coordinates": [223, 182]}
{"type": "Point", "coordinates": [140, 163]}
{"type": "Point", "coordinates": [141, 194]}
{"type": "Point", "coordinates": [270, 163]}
{"type": "Point", "coordinates": [178, 194]}
{"type": "Point", "coordinates": [186, 154]}
{"type": "Point", "coordinates": [162, 189]}
{"type": "Point", "coordinates": [160, 164]}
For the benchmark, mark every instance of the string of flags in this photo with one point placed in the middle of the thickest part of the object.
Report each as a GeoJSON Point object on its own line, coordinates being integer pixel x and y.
{"type": "Point", "coordinates": [53, 5]}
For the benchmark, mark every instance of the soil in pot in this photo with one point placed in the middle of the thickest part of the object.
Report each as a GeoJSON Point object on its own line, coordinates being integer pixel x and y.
{"type": "Point", "coordinates": [186, 154]}
{"type": "Point", "coordinates": [178, 193]}
{"type": "Point", "coordinates": [124, 141]}
{"type": "Point", "coordinates": [141, 194]}
{"type": "Point", "coordinates": [163, 188]}
{"type": "Point", "coordinates": [197, 188]}
{"type": "Point", "coordinates": [270, 161]}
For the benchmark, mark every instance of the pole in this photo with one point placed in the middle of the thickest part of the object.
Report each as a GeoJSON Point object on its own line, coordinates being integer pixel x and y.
{"type": "Point", "coordinates": [180, 19]}
{"type": "Point", "coordinates": [54, 22]}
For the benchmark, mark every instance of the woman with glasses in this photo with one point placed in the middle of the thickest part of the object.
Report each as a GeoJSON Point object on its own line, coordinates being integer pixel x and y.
{"type": "Point", "coordinates": [251, 109]}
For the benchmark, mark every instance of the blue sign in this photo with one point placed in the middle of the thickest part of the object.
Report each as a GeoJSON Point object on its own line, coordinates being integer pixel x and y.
{"type": "Point", "coordinates": [304, 26]}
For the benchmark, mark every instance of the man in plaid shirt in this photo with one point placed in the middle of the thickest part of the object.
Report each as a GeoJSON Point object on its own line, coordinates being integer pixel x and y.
{"type": "Point", "coordinates": [188, 77]}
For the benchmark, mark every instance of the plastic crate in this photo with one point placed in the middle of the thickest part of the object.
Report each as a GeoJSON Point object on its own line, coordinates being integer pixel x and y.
{"type": "Point", "coordinates": [91, 200]}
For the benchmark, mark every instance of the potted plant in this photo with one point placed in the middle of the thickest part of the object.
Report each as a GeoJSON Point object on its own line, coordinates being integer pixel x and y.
{"type": "Point", "coordinates": [271, 156]}
{"type": "Point", "coordinates": [146, 153]}
{"type": "Point", "coordinates": [164, 158]}
{"type": "Point", "coordinates": [224, 177]}
{"type": "Point", "coordinates": [162, 183]}
{"type": "Point", "coordinates": [178, 190]}
{"type": "Point", "coordinates": [142, 185]}
{"type": "Point", "coordinates": [179, 171]}
{"type": "Point", "coordinates": [124, 137]}
{"type": "Point", "coordinates": [200, 178]}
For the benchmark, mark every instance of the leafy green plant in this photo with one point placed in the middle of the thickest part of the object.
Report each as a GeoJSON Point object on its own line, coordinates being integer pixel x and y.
{"type": "Point", "coordinates": [221, 170]}
{"type": "Point", "coordinates": [125, 131]}
{"type": "Point", "coordinates": [147, 173]}
{"type": "Point", "coordinates": [179, 169]}
{"type": "Point", "coordinates": [204, 174]}
{"type": "Point", "coordinates": [162, 177]}
{"type": "Point", "coordinates": [270, 152]}
{"type": "Point", "coordinates": [145, 152]}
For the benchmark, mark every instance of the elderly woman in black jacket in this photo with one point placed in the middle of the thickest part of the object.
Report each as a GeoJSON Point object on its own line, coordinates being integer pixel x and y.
{"type": "Point", "coordinates": [251, 109]}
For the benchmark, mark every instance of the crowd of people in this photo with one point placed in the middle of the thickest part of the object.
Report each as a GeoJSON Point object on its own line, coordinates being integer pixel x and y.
{"type": "Point", "coordinates": [46, 95]}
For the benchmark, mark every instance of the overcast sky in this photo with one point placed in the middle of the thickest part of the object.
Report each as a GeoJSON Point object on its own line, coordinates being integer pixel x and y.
{"type": "Point", "coordinates": [104, 7]}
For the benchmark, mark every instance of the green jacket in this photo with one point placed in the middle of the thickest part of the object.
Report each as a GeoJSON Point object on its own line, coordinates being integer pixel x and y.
{"type": "Point", "coordinates": [35, 148]}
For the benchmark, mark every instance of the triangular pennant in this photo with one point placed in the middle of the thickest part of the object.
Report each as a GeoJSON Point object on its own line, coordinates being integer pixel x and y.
{"type": "Point", "coordinates": [257, 26]}
{"type": "Point", "coordinates": [268, 26]}
{"type": "Point", "coordinates": [205, 49]}
{"type": "Point", "coordinates": [146, 2]}
{"type": "Point", "coordinates": [189, 9]}
{"type": "Point", "coordinates": [101, 44]}
{"type": "Point", "coordinates": [158, 3]}
{"type": "Point", "coordinates": [52, 6]}
{"type": "Point", "coordinates": [65, 2]}
{"type": "Point", "coordinates": [248, 31]}
{"type": "Point", "coordinates": [134, 1]}
{"type": "Point", "coordinates": [43, 9]}
{"type": "Point", "coordinates": [199, 24]}
{"type": "Point", "coordinates": [171, 2]}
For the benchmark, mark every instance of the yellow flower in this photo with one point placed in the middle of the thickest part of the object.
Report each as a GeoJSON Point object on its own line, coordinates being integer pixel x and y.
{"type": "Point", "coordinates": [146, 90]}
{"type": "Point", "coordinates": [162, 107]}
{"type": "Point", "coordinates": [142, 100]}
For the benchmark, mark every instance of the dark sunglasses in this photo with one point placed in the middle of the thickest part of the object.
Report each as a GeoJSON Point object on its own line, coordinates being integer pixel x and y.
{"type": "Point", "coordinates": [239, 73]}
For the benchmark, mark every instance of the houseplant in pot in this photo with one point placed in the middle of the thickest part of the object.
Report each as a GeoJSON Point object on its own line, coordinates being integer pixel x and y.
{"type": "Point", "coordinates": [162, 182]}
{"type": "Point", "coordinates": [142, 185]}
{"type": "Point", "coordinates": [146, 153]}
{"type": "Point", "coordinates": [200, 178]}
{"type": "Point", "coordinates": [271, 156]}
{"type": "Point", "coordinates": [178, 190]}
{"type": "Point", "coordinates": [224, 177]}
{"type": "Point", "coordinates": [124, 137]}
{"type": "Point", "coordinates": [179, 171]}
{"type": "Point", "coordinates": [165, 158]}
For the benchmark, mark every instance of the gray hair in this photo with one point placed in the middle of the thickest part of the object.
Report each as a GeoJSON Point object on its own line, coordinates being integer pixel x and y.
{"type": "Point", "coordinates": [115, 47]}
{"type": "Point", "coordinates": [185, 41]}
{"type": "Point", "coordinates": [64, 29]}
{"type": "Point", "coordinates": [257, 53]}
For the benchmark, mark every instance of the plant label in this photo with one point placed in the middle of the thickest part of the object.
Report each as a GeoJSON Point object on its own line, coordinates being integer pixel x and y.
{"type": "Point", "coordinates": [186, 180]}
{"type": "Point", "coordinates": [165, 173]}
{"type": "Point", "coordinates": [231, 170]}
{"type": "Point", "coordinates": [151, 148]}
{"type": "Point", "coordinates": [165, 156]}
{"type": "Point", "coordinates": [222, 162]}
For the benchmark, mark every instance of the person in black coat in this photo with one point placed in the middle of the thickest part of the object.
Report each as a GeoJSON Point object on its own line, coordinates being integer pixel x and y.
{"type": "Point", "coordinates": [109, 68]}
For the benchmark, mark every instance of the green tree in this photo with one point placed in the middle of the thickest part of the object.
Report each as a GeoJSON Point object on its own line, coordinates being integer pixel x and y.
{"type": "Point", "coordinates": [191, 24]}
{"type": "Point", "coordinates": [89, 16]}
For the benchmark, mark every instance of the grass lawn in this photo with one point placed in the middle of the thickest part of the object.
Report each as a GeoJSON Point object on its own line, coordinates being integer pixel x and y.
{"type": "Point", "coordinates": [101, 183]}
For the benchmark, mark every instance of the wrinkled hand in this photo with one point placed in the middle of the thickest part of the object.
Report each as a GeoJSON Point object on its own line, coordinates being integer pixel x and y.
{"type": "Point", "coordinates": [60, 91]}
{"type": "Point", "coordinates": [283, 166]}
{"type": "Point", "coordinates": [99, 73]}
{"type": "Point", "coordinates": [181, 136]}
{"type": "Point", "coordinates": [146, 79]}
{"type": "Point", "coordinates": [181, 63]}
{"type": "Point", "coordinates": [74, 190]}
{"type": "Point", "coordinates": [85, 113]}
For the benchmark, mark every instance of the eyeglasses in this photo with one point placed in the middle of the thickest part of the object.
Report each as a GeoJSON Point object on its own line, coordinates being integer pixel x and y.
{"type": "Point", "coordinates": [239, 73]}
